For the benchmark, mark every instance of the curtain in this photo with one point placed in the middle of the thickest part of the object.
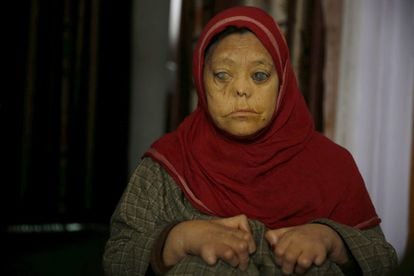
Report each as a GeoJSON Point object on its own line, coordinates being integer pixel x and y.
{"type": "Point", "coordinates": [375, 104]}
{"type": "Point", "coordinates": [66, 116]}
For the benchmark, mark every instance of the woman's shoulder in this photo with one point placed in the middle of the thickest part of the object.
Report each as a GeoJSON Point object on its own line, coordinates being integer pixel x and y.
{"type": "Point", "coordinates": [148, 165]}
{"type": "Point", "coordinates": [155, 182]}
{"type": "Point", "coordinates": [150, 173]}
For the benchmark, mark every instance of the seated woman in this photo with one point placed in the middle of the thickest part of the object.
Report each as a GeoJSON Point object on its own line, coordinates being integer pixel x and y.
{"type": "Point", "coordinates": [245, 184]}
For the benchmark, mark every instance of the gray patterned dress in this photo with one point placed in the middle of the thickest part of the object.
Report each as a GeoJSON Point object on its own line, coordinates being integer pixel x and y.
{"type": "Point", "coordinates": [152, 202]}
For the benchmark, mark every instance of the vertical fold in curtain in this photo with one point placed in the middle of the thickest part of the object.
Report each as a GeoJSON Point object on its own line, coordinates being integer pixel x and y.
{"type": "Point", "coordinates": [410, 245]}
{"type": "Point", "coordinates": [92, 100]}
{"type": "Point", "coordinates": [332, 11]}
{"type": "Point", "coordinates": [28, 102]}
{"type": "Point", "coordinates": [306, 39]}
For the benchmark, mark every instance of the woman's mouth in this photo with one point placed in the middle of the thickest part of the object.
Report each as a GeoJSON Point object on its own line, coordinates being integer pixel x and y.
{"type": "Point", "coordinates": [243, 113]}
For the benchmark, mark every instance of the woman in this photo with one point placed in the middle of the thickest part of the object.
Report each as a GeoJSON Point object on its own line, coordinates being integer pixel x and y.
{"type": "Point", "coordinates": [245, 184]}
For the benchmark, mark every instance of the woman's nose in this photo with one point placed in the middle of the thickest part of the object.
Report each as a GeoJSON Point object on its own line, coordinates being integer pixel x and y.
{"type": "Point", "coordinates": [241, 92]}
{"type": "Point", "coordinates": [242, 88]}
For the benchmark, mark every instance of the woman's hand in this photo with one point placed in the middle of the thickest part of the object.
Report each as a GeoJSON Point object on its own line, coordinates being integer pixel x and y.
{"type": "Point", "coordinates": [229, 239]}
{"type": "Point", "coordinates": [298, 248]}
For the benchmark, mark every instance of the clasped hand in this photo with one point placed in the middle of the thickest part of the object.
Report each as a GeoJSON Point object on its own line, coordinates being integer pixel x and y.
{"type": "Point", "coordinates": [296, 249]}
{"type": "Point", "coordinates": [229, 239]}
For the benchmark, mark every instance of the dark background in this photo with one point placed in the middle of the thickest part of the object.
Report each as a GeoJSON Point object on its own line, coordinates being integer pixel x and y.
{"type": "Point", "coordinates": [64, 132]}
{"type": "Point", "coordinates": [64, 117]}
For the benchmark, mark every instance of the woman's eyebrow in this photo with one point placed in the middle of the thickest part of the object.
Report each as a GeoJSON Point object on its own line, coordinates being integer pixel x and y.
{"type": "Point", "coordinates": [262, 62]}
{"type": "Point", "coordinates": [225, 60]}
{"type": "Point", "coordinates": [229, 61]}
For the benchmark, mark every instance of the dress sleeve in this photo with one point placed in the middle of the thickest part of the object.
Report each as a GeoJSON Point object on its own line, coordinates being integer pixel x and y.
{"type": "Point", "coordinates": [137, 222]}
{"type": "Point", "coordinates": [369, 249]}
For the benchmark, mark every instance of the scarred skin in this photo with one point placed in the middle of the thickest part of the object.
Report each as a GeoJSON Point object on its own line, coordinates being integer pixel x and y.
{"type": "Point", "coordinates": [242, 87]}
{"type": "Point", "coordinates": [296, 248]}
{"type": "Point", "coordinates": [229, 239]}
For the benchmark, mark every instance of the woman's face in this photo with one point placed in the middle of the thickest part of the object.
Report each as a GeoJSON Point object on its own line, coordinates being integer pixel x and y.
{"type": "Point", "coordinates": [241, 84]}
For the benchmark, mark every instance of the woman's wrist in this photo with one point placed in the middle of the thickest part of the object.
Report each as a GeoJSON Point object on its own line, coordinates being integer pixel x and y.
{"type": "Point", "coordinates": [174, 246]}
{"type": "Point", "coordinates": [157, 260]}
{"type": "Point", "coordinates": [351, 267]}
{"type": "Point", "coordinates": [339, 253]}
{"type": "Point", "coordinates": [337, 250]}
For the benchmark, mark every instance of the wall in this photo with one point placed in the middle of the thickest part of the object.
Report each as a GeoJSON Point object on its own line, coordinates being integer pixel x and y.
{"type": "Point", "coordinates": [148, 76]}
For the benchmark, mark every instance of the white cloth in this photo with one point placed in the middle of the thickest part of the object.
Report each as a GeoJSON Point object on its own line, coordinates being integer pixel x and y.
{"type": "Point", "coordinates": [375, 104]}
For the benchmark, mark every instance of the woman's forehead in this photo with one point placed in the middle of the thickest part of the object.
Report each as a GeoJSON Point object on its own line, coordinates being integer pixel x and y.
{"type": "Point", "coordinates": [239, 45]}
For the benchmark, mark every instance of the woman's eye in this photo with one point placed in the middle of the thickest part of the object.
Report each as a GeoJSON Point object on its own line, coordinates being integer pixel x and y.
{"type": "Point", "coordinates": [222, 76]}
{"type": "Point", "coordinates": [260, 76]}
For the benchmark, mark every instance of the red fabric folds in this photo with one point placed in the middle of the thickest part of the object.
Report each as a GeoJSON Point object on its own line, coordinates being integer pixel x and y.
{"type": "Point", "coordinates": [287, 175]}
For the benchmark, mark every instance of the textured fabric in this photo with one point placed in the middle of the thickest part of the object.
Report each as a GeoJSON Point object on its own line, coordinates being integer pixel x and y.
{"type": "Point", "coordinates": [152, 202]}
{"type": "Point", "coordinates": [366, 246]}
{"type": "Point", "coordinates": [286, 175]}
{"type": "Point", "coordinates": [157, 264]}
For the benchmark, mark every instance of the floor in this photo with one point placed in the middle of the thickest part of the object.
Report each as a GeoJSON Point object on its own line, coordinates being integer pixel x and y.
{"type": "Point", "coordinates": [54, 253]}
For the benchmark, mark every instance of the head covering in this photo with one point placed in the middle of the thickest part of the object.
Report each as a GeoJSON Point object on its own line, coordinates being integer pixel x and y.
{"type": "Point", "coordinates": [288, 175]}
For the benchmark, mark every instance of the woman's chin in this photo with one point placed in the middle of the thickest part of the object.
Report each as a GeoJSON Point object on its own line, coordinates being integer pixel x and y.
{"type": "Point", "coordinates": [243, 132]}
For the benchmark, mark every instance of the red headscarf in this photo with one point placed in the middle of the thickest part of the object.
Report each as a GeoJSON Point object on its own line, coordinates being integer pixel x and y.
{"type": "Point", "coordinates": [288, 175]}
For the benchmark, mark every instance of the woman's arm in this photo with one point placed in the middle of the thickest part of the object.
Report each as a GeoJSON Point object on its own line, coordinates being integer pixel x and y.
{"type": "Point", "coordinates": [372, 254]}
{"type": "Point", "coordinates": [138, 221]}
{"type": "Point", "coordinates": [354, 251]}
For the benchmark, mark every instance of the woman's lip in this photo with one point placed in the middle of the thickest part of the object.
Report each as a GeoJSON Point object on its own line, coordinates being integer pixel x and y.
{"type": "Point", "coordinates": [243, 112]}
